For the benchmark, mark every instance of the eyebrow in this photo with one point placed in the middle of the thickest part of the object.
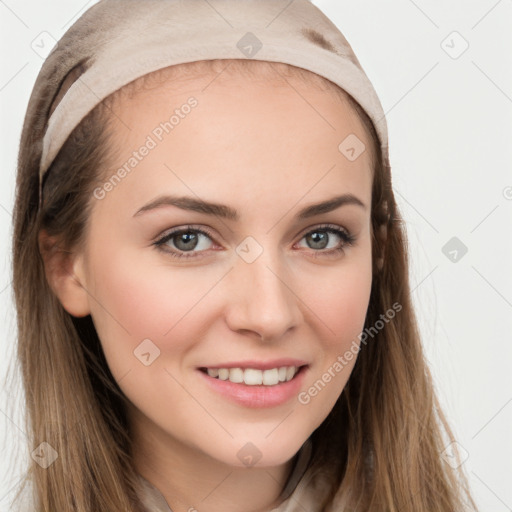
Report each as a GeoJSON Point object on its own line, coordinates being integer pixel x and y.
{"type": "Point", "coordinates": [224, 211]}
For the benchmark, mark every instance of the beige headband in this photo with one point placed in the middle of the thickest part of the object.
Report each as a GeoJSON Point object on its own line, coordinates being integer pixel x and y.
{"type": "Point", "coordinates": [121, 40]}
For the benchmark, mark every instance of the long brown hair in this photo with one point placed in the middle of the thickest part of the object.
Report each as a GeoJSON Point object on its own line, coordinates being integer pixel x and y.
{"type": "Point", "coordinates": [385, 434]}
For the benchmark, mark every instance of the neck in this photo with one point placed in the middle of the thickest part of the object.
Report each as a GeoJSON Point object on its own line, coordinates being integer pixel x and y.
{"type": "Point", "coordinates": [192, 481]}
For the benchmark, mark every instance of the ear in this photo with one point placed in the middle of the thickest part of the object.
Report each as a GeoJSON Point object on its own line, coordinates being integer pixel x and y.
{"type": "Point", "coordinates": [64, 271]}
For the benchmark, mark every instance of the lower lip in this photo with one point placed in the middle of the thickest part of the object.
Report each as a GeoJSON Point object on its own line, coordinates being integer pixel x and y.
{"type": "Point", "coordinates": [257, 396]}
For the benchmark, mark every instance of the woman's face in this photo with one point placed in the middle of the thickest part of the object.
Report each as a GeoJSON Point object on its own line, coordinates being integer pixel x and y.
{"type": "Point", "coordinates": [250, 283]}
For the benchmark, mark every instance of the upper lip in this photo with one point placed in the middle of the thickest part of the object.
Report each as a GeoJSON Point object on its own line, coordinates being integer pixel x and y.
{"type": "Point", "coordinates": [259, 365]}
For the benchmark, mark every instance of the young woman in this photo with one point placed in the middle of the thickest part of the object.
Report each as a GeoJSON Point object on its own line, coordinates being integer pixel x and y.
{"type": "Point", "coordinates": [211, 273]}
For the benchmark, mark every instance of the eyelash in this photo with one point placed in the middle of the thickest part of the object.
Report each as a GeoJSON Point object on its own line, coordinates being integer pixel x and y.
{"type": "Point", "coordinates": [348, 240]}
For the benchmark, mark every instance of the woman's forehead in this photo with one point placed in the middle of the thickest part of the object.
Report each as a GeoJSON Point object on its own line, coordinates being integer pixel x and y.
{"type": "Point", "coordinates": [243, 135]}
{"type": "Point", "coordinates": [293, 109]}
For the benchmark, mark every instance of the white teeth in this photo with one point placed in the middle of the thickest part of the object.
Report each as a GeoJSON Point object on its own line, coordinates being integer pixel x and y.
{"type": "Point", "coordinates": [223, 374]}
{"type": "Point", "coordinates": [254, 377]}
{"type": "Point", "coordinates": [236, 375]}
{"type": "Point", "coordinates": [270, 377]}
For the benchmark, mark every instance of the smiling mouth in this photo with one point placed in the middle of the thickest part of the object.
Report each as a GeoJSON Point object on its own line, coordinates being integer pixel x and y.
{"type": "Point", "coordinates": [254, 376]}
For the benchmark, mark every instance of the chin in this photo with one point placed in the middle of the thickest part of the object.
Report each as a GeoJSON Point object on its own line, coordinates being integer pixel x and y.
{"type": "Point", "coordinates": [260, 452]}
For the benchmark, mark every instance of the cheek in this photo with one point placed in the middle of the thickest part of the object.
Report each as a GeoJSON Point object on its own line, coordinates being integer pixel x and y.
{"type": "Point", "coordinates": [339, 304]}
{"type": "Point", "coordinates": [340, 299]}
{"type": "Point", "coordinates": [339, 307]}
{"type": "Point", "coordinates": [135, 300]}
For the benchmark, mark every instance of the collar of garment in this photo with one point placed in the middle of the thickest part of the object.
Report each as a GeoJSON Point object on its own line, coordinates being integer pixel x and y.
{"type": "Point", "coordinates": [304, 489]}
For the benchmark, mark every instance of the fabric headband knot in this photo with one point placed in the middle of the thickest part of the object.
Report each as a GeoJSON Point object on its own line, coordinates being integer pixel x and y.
{"type": "Point", "coordinates": [118, 41]}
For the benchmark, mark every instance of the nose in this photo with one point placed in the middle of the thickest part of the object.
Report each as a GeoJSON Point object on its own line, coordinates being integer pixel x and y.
{"type": "Point", "coordinates": [263, 298]}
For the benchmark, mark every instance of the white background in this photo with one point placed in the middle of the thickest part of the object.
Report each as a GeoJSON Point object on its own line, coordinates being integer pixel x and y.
{"type": "Point", "coordinates": [450, 130]}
